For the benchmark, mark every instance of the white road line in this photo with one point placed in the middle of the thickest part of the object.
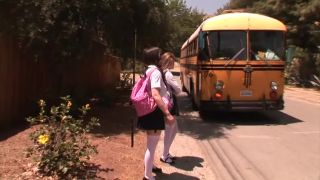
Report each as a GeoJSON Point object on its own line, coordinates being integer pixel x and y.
{"type": "Point", "coordinates": [256, 137]}
{"type": "Point", "coordinates": [306, 132]}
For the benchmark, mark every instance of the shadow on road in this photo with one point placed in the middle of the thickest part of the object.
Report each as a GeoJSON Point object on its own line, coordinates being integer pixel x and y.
{"type": "Point", "coordinates": [188, 163]}
{"type": "Point", "coordinates": [174, 176]}
{"type": "Point", "coordinates": [267, 118]}
{"type": "Point", "coordinates": [214, 124]}
{"type": "Point", "coordinates": [192, 124]}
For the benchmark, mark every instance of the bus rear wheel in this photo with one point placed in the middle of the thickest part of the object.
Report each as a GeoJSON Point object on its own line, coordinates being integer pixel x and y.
{"type": "Point", "coordinates": [184, 89]}
{"type": "Point", "coordinates": [193, 102]}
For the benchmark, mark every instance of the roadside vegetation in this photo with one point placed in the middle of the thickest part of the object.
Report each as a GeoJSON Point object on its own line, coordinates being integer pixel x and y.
{"type": "Point", "coordinates": [60, 142]}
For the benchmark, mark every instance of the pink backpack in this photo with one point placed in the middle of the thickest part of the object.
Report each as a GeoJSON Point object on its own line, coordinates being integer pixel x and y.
{"type": "Point", "coordinates": [141, 96]}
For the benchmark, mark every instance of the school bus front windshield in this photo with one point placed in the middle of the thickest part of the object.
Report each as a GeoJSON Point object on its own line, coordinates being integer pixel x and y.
{"type": "Point", "coordinates": [232, 45]}
{"type": "Point", "coordinates": [267, 45]}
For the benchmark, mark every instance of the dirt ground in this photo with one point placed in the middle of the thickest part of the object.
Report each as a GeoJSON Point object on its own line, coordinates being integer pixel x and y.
{"type": "Point", "coordinates": [116, 158]}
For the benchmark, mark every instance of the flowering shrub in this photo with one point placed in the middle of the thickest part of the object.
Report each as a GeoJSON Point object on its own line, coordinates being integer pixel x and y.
{"type": "Point", "coordinates": [61, 145]}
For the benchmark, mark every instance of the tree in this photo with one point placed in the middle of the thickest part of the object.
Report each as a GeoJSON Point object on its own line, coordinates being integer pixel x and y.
{"type": "Point", "coordinates": [64, 30]}
{"type": "Point", "coordinates": [183, 22]}
{"type": "Point", "coordinates": [61, 30]}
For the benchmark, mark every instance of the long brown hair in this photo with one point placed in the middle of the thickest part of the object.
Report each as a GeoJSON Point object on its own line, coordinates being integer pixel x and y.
{"type": "Point", "coordinates": [167, 59]}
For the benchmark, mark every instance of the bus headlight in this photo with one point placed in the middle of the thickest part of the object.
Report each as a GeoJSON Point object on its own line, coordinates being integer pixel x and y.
{"type": "Point", "coordinates": [218, 90]}
{"type": "Point", "coordinates": [219, 85]}
{"type": "Point", "coordinates": [274, 86]}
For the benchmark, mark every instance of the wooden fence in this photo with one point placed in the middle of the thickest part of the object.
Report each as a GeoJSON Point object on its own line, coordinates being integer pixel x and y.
{"type": "Point", "coordinates": [23, 80]}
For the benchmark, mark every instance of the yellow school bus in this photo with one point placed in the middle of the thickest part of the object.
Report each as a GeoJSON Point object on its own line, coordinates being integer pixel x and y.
{"type": "Point", "coordinates": [235, 61]}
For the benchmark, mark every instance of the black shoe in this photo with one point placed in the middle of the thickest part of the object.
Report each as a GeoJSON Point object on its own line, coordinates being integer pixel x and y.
{"type": "Point", "coordinates": [172, 157]}
{"type": "Point", "coordinates": [167, 160]}
{"type": "Point", "coordinates": [156, 170]}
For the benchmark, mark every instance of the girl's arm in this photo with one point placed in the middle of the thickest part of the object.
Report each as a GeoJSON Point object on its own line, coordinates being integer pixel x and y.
{"type": "Point", "coordinates": [157, 97]}
{"type": "Point", "coordinates": [172, 82]}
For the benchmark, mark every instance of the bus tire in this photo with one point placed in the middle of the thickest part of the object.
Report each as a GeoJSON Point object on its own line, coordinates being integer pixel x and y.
{"type": "Point", "coordinates": [194, 105]}
{"type": "Point", "coordinates": [193, 102]}
{"type": "Point", "coordinates": [184, 89]}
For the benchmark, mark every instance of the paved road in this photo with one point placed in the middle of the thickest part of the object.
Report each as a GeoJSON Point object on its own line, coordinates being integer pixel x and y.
{"type": "Point", "coordinates": [278, 145]}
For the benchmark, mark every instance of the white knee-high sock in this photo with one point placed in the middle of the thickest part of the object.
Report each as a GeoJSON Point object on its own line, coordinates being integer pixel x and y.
{"type": "Point", "coordinates": [169, 135]}
{"type": "Point", "coordinates": [152, 141]}
{"type": "Point", "coordinates": [166, 140]}
{"type": "Point", "coordinates": [174, 131]}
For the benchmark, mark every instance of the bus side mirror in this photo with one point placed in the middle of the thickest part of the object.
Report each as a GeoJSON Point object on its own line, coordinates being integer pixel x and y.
{"type": "Point", "coordinates": [203, 55]}
{"type": "Point", "coordinates": [203, 48]}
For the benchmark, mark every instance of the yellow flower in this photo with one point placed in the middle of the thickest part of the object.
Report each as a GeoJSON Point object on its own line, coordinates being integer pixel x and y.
{"type": "Point", "coordinates": [64, 118]}
{"type": "Point", "coordinates": [43, 139]}
{"type": "Point", "coordinates": [42, 103]}
{"type": "Point", "coordinates": [69, 104]}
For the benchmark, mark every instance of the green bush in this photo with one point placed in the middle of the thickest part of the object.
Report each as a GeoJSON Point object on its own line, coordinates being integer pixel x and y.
{"type": "Point", "coordinates": [60, 143]}
{"type": "Point", "coordinates": [302, 68]}
{"type": "Point", "coordinates": [125, 79]}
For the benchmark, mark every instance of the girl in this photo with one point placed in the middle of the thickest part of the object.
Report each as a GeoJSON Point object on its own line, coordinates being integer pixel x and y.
{"type": "Point", "coordinates": [166, 63]}
{"type": "Point", "coordinates": [154, 122]}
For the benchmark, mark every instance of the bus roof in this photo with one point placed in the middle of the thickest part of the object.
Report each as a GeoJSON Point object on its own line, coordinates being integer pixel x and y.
{"type": "Point", "coordinates": [242, 21]}
{"type": "Point", "coordinates": [238, 21]}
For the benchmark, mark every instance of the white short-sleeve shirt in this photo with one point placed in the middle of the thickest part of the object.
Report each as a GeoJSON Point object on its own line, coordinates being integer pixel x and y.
{"type": "Point", "coordinates": [174, 86]}
{"type": "Point", "coordinates": [157, 81]}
